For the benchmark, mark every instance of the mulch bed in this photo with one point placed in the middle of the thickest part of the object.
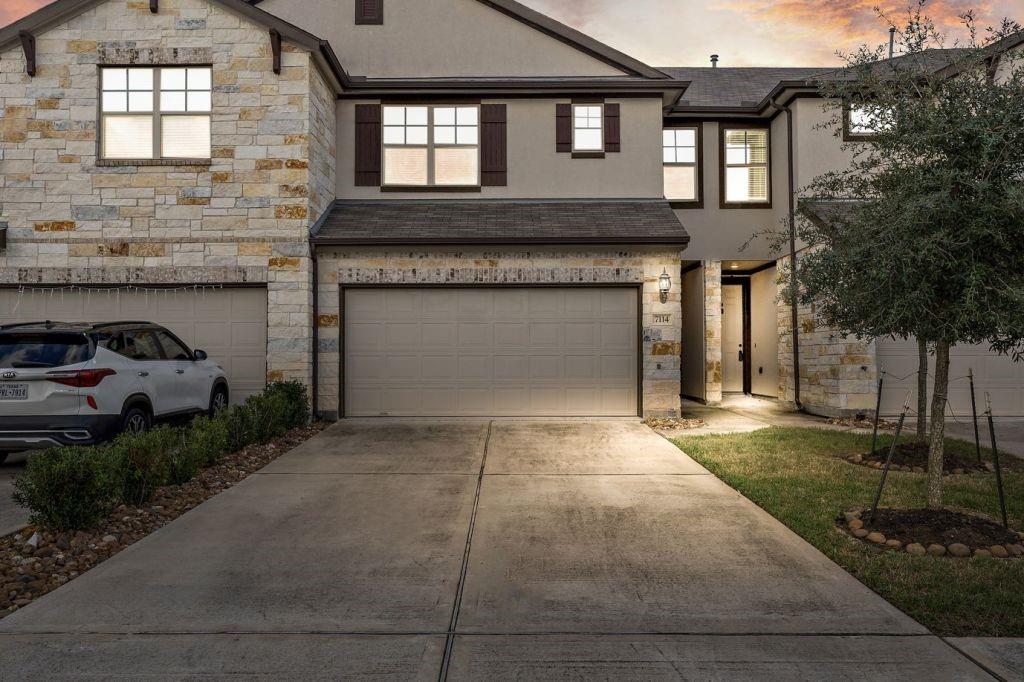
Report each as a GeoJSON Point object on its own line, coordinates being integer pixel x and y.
{"type": "Point", "coordinates": [861, 423]}
{"type": "Point", "coordinates": [936, 532]}
{"type": "Point", "coordinates": [35, 561]}
{"type": "Point", "coordinates": [912, 455]}
{"type": "Point", "coordinates": [673, 424]}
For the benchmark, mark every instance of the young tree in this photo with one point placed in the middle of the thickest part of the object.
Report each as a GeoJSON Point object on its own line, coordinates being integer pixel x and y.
{"type": "Point", "coordinates": [922, 235]}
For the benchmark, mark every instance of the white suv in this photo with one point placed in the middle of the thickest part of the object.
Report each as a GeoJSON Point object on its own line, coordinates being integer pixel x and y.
{"type": "Point", "coordinates": [77, 384]}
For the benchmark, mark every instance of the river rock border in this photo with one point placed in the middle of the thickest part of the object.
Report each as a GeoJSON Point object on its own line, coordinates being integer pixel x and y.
{"type": "Point", "coordinates": [861, 460]}
{"type": "Point", "coordinates": [852, 523]}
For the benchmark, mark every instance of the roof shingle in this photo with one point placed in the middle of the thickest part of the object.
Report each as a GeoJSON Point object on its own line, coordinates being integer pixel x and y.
{"type": "Point", "coordinates": [501, 222]}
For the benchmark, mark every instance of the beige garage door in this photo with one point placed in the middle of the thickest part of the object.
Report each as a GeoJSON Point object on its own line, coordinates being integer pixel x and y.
{"type": "Point", "coordinates": [994, 374]}
{"type": "Point", "coordinates": [498, 352]}
{"type": "Point", "coordinates": [229, 324]}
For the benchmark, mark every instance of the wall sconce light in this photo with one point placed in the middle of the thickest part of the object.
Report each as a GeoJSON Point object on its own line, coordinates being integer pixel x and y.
{"type": "Point", "coordinates": [664, 285]}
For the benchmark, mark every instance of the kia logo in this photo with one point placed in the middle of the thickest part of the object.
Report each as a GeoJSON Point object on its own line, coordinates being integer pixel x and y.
{"type": "Point", "coordinates": [9, 375]}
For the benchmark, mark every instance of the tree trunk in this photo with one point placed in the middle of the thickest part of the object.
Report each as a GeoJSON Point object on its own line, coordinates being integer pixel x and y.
{"type": "Point", "coordinates": [922, 390]}
{"type": "Point", "coordinates": [938, 419]}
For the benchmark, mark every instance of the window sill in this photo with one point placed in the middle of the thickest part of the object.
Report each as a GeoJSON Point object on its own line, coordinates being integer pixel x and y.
{"type": "Point", "coordinates": [745, 205]}
{"type": "Point", "coordinates": [120, 163]}
{"type": "Point", "coordinates": [692, 203]}
{"type": "Point", "coordinates": [433, 189]}
{"type": "Point", "coordinates": [588, 155]}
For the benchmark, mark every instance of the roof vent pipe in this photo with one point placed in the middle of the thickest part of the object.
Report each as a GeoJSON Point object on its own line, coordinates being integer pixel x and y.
{"type": "Point", "coordinates": [714, 61]}
{"type": "Point", "coordinates": [892, 41]}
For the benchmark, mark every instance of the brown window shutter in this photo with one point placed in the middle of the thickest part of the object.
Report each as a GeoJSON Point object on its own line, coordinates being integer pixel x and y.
{"type": "Point", "coordinates": [563, 128]}
{"type": "Point", "coordinates": [612, 129]}
{"type": "Point", "coordinates": [368, 140]}
{"type": "Point", "coordinates": [493, 145]}
{"type": "Point", "coordinates": [369, 12]}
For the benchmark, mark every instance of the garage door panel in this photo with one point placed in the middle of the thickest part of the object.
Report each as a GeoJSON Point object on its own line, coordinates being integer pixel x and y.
{"type": "Point", "coordinates": [516, 352]}
{"type": "Point", "coordinates": [229, 324]}
{"type": "Point", "coordinates": [994, 374]}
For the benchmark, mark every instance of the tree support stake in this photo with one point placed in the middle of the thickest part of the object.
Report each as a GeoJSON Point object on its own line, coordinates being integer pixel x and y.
{"type": "Point", "coordinates": [995, 460]}
{"type": "Point", "coordinates": [888, 459]}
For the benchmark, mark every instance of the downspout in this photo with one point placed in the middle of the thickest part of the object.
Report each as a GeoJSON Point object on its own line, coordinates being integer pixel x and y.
{"type": "Point", "coordinates": [794, 312]}
{"type": "Point", "coordinates": [315, 272]}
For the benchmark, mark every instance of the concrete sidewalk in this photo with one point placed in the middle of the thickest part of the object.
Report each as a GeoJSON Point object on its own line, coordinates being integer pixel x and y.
{"type": "Point", "coordinates": [474, 550]}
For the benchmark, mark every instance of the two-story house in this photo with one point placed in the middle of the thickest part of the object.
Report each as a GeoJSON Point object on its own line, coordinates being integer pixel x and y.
{"type": "Point", "coordinates": [419, 208]}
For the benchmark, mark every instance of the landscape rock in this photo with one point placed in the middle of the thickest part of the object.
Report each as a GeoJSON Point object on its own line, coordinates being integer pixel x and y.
{"type": "Point", "coordinates": [936, 550]}
{"type": "Point", "coordinates": [916, 549]}
{"type": "Point", "coordinates": [999, 551]}
{"type": "Point", "coordinates": [982, 553]}
{"type": "Point", "coordinates": [1015, 550]}
{"type": "Point", "coordinates": [860, 533]}
{"type": "Point", "coordinates": [876, 538]}
{"type": "Point", "coordinates": [34, 541]}
{"type": "Point", "coordinates": [855, 524]}
{"type": "Point", "coordinates": [894, 544]}
{"type": "Point", "coordinates": [958, 549]}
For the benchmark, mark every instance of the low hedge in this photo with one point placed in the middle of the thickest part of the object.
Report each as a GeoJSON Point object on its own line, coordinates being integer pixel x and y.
{"type": "Point", "coordinates": [72, 488]}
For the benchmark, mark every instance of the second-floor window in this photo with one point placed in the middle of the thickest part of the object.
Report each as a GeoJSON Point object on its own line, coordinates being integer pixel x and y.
{"type": "Point", "coordinates": [745, 171]}
{"type": "Point", "coordinates": [679, 156]}
{"type": "Point", "coordinates": [155, 113]}
{"type": "Point", "coordinates": [431, 146]}
{"type": "Point", "coordinates": [587, 128]}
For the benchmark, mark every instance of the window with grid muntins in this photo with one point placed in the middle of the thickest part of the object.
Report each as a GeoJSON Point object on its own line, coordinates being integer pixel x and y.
{"type": "Point", "coordinates": [587, 128]}
{"type": "Point", "coordinates": [746, 166]}
{"type": "Point", "coordinates": [155, 113]}
{"type": "Point", "coordinates": [679, 156]}
{"type": "Point", "coordinates": [431, 146]}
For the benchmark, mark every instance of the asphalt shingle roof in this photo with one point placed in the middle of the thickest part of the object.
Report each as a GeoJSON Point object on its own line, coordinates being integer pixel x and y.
{"type": "Point", "coordinates": [734, 87]}
{"type": "Point", "coordinates": [501, 222]}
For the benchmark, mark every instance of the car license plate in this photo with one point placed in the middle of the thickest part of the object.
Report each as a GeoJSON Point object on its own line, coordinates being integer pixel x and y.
{"type": "Point", "coordinates": [13, 391]}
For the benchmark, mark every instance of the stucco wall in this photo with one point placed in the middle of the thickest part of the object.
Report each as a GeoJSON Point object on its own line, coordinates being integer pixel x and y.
{"type": "Point", "coordinates": [241, 218]}
{"type": "Point", "coordinates": [437, 38]}
{"type": "Point", "coordinates": [720, 234]}
{"type": "Point", "coordinates": [535, 169]}
{"type": "Point", "coordinates": [506, 266]}
{"type": "Point", "coordinates": [764, 333]}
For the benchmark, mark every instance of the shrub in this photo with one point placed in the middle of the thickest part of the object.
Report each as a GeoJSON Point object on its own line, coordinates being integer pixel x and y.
{"type": "Point", "coordinates": [73, 488]}
{"type": "Point", "coordinates": [70, 488]}
{"type": "Point", "coordinates": [146, 461]}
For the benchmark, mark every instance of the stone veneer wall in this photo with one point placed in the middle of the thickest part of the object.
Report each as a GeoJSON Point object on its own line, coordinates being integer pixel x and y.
{"type": "Point", "coordinates": [838, 374]}
{"type": "Point", "coordinates": [501, 266]}
{"type": "Point", "coordinates": [243, 217]}
{"type": "Point", "coordinates": [712, 270]}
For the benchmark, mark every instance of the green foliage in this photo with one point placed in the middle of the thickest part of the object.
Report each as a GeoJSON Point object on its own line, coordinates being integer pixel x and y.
{"type": "Point", "coordinates": [73, 488]}
{"type": "Point", "coordinates": [69, 488]}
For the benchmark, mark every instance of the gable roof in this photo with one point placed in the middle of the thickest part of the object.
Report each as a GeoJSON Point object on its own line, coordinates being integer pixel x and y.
{"type": "Point", "coordinates": [568, 35]}
{"type": "Point", "coordinates": [62, 10]}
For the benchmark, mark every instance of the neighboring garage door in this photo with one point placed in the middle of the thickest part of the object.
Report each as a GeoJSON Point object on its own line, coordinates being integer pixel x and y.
{"type": "Point", "coordinates": [994, 374]}
{"type": "Point", "coordinates": [496, 352]}
{"type": "Point", "coordinates": [229, 324]}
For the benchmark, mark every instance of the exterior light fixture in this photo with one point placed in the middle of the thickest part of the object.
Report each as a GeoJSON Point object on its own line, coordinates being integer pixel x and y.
{"type": "Point", "coordinates": [664, 285]}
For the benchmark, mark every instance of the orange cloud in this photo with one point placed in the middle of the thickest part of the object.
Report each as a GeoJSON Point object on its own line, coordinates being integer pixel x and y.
{"type": "Point", "coordinates": [12, 10]}
{"type": "Point", "coordinates": [857, 21]}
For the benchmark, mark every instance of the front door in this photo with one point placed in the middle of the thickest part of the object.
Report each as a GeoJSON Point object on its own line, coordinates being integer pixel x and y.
{"type": "Point", "coordinates": [733, 351]}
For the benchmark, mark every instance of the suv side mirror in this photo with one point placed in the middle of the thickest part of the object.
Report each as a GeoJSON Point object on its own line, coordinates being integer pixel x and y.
{"type": "Point", "coordinates": [200, 355]}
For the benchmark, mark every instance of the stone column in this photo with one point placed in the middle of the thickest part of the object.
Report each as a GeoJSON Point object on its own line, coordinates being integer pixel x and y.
{"type": "Point", "coordinates": [712, 331]}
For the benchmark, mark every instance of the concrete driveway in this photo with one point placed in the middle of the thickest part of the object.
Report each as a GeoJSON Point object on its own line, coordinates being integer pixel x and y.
{"type": "Point", "coordinates": [474, 549]}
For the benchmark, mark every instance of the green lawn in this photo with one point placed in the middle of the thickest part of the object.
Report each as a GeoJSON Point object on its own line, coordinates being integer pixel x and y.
{"type": "Point", "coordinates": [794, 475]}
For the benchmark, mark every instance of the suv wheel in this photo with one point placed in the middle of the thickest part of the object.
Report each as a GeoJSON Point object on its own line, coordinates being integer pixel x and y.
{"type": "Point", "coordinates": [135, 420]}
{"type": "Point", "coordinates": [219, 400]}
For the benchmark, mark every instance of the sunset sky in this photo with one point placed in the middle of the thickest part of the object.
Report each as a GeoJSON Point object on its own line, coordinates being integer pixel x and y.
{"type": "Point", "coordinates": [743, 32]}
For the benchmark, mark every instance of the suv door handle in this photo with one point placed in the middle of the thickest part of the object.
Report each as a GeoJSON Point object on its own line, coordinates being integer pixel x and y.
{"type": "Point", "coordinates": [143, 374]}
{"type": "Point", "coordinates": [179, 371]}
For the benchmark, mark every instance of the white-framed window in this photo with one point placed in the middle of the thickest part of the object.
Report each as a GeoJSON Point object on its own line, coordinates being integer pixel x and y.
{"type": "Point", "coordinates": [745, 158]}
{"type": "Point", "coordinates": [679, 156]}
{"type": "Point", "coordinates": [864, 120]}
{"type": "Point", "coordinates": [431, 146]}
{"type": "Point", "coordinates": [588, 127]}
{"type": "Point", "coordinates": [155, 112]}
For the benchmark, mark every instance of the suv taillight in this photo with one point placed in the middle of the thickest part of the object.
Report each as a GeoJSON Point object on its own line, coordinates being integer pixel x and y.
{"type": "Point", "coordinates": [81, 378]}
